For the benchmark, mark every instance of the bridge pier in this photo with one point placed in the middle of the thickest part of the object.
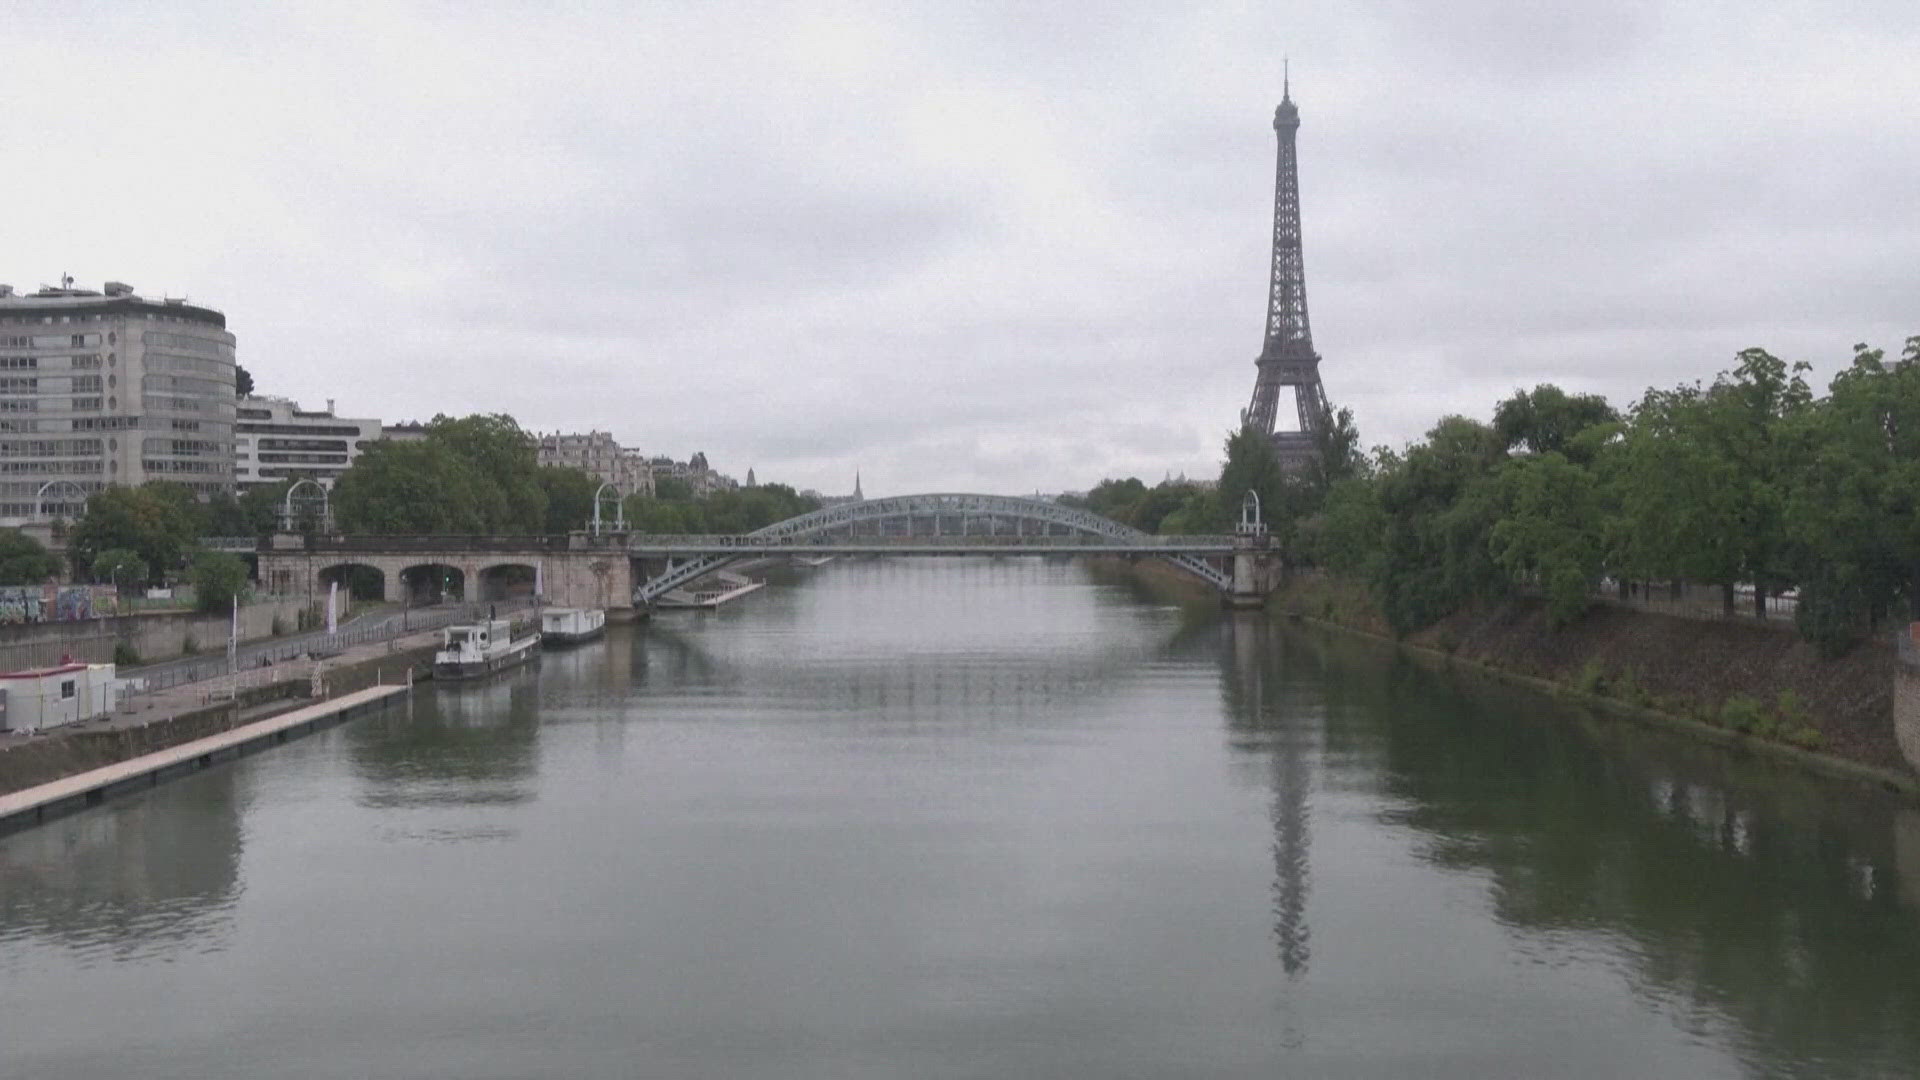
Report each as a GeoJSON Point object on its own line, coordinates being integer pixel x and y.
{"type": "Point", "coordinates": [1256, 572]}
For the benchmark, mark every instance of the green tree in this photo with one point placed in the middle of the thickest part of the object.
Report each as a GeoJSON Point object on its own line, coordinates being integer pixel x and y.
{"type": "Point", "coordinates": [1151, 511]}
{"type": "Point", "coordinates": [119, 567]}
{"type": "Point", "coordinates": [740, 511]}
{"type": "Point", "coordinates": [1112, 499]}
{"type": "Point", "coordinates": [24, 560]}
{"type": "Point", "coordinates": [1251, 465]}
{"type": "Point", "coordinates": [1854, 508]}
{"type": "Point", "coordinates": [646, 514]}
{"type": "Point", "coordinates": [1198, 513]}
{"type": "Point", "coordinates": [1349, 535]}
{"type": "Point", "coordinates": [154, 520]}
{"type": "Point", "coordinates": [672, 489]}
{"type": "Point", "coordinates": [223, 514]}
{"type": "Point", "coordinates": [569, 496]}
{"type": "Point", "coordinates": [1704, 478]}
{"type": "Point", "coordinates": [496, 448]}
{"type": "Point", "coordinates": [1551, 530]}
{"type": "Point", "coordinates": [414, 488]}
{"type": "Point", "coordinates": [260, 509]}
{"type": "Point", "coordinates": [1338, 457]}
{"type": "Point", "coordinates": [1547, 419]}
{"type": "Point", "coordinates": [217, 580]}
{"type": "Point", "coordinates": [242, 381]}
{"type": "Point", "coordinates": [1438, 503]}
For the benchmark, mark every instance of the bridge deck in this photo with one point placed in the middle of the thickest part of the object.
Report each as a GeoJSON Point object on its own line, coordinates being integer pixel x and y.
{"type": "Point", "coordinates": [647, 546]}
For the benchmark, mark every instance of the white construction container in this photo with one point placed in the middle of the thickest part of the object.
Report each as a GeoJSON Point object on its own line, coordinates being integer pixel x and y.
{"type": "Point", "coordinates": [49, 697]}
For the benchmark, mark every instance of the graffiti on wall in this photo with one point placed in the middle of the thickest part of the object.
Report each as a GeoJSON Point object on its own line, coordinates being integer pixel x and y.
{"type": "Point", "coordinates": [56, 603]}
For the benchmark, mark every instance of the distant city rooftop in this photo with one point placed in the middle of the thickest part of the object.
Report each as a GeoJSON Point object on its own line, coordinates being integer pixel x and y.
{"type": "Point", "coordinates": [115, 297]}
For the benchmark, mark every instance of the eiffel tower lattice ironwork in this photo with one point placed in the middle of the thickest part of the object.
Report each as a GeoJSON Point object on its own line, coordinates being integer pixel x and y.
{"type": "Point", "coordinates": [1287, 358]}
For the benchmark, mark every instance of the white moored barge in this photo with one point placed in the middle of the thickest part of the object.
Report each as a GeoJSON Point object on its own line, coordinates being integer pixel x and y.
{"type": "Point", "coordinates": [474, 649]}
{"type": "Point", "coordinates": [571, 626]}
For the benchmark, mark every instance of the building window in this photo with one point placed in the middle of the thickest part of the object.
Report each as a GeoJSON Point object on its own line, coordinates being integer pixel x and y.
{"type": "Point", "coordinates": [66, 689]}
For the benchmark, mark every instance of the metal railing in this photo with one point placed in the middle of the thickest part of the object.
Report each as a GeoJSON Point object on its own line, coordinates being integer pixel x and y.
{"type": "Point", "coordinates": [1697, 601]}
{"type": "Point", "coordinates": [229, 687]}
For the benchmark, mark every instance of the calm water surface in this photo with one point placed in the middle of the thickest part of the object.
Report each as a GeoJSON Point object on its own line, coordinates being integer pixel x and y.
{"type": "Point", "coordinates": [971, 818]}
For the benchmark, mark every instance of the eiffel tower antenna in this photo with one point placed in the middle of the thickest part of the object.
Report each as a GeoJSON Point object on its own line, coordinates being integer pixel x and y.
{"type": "Point", "coordinates": [1287, 358]}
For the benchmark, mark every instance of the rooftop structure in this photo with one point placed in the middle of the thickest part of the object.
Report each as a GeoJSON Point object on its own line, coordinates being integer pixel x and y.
{"type": "Point", "coordinates": [597, 454]}
{"type": "Point", "coordinates": [277, 440]}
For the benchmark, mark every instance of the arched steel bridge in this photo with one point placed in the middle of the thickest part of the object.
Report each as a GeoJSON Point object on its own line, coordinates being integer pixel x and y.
{"type": "Point", "coordinates": [936, 524]}
{"type": "Point", "coordinates": [587, 570]}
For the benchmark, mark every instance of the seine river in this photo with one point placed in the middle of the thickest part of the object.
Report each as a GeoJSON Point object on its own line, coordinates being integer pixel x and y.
{"type": "Point", "coordinates": [994, 818]}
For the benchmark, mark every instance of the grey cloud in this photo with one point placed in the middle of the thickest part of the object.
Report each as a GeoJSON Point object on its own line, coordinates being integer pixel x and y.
{"type": "Point", "coordinates": [988, 246]}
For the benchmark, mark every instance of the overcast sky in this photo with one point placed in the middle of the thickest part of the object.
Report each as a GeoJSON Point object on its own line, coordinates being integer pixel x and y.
{"type": "Point", "coordinates": [964, 246]}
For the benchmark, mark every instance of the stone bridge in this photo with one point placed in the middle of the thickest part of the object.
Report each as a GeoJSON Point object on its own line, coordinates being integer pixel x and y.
{"type": "Point", "coordinates": [572, 571]}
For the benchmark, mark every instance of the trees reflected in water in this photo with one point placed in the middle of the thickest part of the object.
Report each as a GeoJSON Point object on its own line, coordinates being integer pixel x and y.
{"type": "Point", "coordinates": [1743, 890]}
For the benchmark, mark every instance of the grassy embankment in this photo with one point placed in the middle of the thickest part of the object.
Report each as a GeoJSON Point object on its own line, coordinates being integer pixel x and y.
{"type": "Point", "coordinates": [1735, 681]}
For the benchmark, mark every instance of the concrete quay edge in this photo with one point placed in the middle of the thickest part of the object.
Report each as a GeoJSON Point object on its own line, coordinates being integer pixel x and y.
{"type": "Point", "coordinates": [31, 806]}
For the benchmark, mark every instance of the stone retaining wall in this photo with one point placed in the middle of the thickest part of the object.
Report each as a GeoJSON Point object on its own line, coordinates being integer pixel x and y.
{"type": "Point", "coordinates": [156, 636]}
{"type": "Point", "coordinates": [1906, 696]}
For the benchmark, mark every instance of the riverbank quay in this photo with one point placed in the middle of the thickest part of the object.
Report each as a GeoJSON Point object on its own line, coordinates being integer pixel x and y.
{"type": "Point", "coordinates": [1742, 685]}
{"type": "Point", "coordinates": [31, 806]}
{"type": "Point", "coordinates": [151, 722]}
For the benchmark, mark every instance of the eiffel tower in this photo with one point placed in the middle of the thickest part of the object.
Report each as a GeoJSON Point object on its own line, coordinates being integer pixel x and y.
{"type": "Point", "coordinates": [1287, 359]}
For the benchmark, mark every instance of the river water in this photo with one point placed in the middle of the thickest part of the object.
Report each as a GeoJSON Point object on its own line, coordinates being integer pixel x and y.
{"type": "Point", "coordinates": [993, 818]}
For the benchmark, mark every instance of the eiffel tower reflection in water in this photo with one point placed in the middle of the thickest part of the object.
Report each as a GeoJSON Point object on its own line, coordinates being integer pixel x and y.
{"type": "Point", "coordinates": [1260, 709]}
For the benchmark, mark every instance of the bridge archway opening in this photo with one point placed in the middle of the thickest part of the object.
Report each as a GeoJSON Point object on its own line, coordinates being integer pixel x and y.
{"type": "Point", "coordinates": [507, 581]}
{"type": "Point", "coordinates": [358, 580]}
{"type": "Point", "coordinates": [433, 583]}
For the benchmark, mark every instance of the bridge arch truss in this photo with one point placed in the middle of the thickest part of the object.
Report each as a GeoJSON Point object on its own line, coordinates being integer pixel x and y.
{"type": "Point", "coordinates": [992, 517]}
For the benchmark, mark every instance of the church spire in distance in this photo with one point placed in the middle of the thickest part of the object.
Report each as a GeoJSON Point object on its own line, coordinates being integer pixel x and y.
{"type": "Point", "coordinates": [1287, 357]}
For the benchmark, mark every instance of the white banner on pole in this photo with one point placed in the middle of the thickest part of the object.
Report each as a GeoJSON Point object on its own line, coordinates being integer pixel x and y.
{"type": "Point", "coordinates": [333, 608]}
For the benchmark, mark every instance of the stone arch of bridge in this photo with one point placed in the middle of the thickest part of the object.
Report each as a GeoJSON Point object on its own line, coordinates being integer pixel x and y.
{"type": "Point", "coordinates": [435, 581]}
{"type": "Point", "coordinates": [506, 579]}
{"type": "Point", "coordinates": [365, 579]}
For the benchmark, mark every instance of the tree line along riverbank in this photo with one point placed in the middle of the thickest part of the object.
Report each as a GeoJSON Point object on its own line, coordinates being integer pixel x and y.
{"type": "Point", "coordinates": [1749, 483]}
{"type": "Point", "coordinates": [1503, 543]}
